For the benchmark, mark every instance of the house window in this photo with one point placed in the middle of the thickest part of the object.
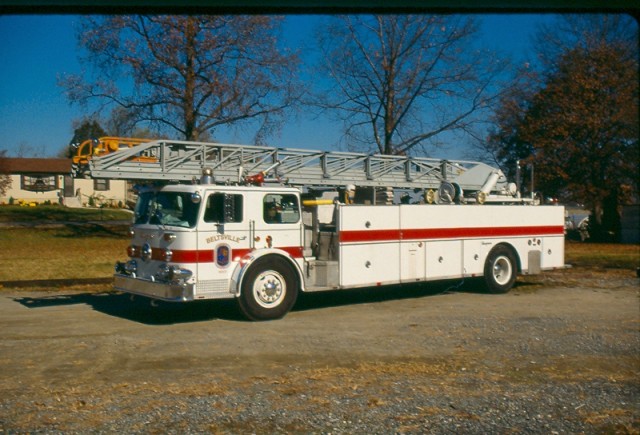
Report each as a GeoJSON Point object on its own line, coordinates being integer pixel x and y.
{"type": "Point", "coordinates": [39, 183]}
{"type": "Point", "coordinates": [100, 184]}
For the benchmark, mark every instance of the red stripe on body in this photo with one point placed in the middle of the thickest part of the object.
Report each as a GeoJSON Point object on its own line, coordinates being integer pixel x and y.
{"type": "Point", "coordinates": [446, 233]}
{"type": "Point", "coordinates": [192, 256]}
{"type": "Point", "coordinates": [208, 255]}
{"type": "Point", "coordinates": [369, 236]}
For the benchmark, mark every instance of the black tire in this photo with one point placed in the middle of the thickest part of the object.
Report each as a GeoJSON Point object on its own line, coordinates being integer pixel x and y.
{"type": "Point", "coordinates": [500, 270]}
{"type": "Point", "coordinates": [269, 289]}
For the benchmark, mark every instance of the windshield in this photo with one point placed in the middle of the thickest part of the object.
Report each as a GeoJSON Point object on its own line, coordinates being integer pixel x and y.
{"type": "Point", "coordinates": [166, 208]}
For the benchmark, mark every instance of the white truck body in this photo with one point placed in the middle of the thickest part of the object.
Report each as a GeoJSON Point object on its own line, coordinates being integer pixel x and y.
{"type": "Point", "coordinates": [408, 243]}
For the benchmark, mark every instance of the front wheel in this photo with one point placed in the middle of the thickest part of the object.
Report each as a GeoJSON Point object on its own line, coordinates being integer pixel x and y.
{"type": "Point", "coordinates": [500, 270]}
{"type": "Point", "coordinates": [269, 289]}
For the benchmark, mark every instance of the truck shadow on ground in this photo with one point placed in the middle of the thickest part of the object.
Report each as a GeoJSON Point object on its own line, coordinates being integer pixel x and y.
{"type": "Point", "coordinates": [142, 310]}
{"type": "Point", "coordinates": [320, 300]}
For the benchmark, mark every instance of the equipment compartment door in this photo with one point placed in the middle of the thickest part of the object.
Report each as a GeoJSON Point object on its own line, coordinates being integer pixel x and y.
{"type": "Point", "coordinates": [369, 245]}
{"type": "Point", "coordinates": [552, 252]}
{"type": "Point", "coordinates": [444, 259]}
{"type": "Point", "coordinates": [412, 266]}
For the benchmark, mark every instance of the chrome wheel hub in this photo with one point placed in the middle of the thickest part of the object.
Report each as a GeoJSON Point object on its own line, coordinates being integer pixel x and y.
{"type": "Point", "coordinates": [269, 289]}
{"type": "Point", "coordinates": [502, 270]}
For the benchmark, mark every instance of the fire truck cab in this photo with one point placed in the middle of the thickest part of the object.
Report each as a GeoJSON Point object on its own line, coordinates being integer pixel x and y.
{"type": "Point", "coordinates": [210, 242]}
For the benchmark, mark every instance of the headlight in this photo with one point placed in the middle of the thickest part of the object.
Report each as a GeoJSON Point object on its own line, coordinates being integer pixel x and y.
{"type": "Point", "coordinates": [146, 252]}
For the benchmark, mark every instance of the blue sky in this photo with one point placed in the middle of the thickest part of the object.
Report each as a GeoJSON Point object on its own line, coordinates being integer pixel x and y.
{"type": "Point", "coordinates": [35, 49]}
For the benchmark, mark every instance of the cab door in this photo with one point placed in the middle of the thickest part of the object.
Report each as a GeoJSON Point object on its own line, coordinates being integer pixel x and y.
{"type": "Point", "coordinates": [278, 224]}
{"type": "Point", "coordinates": [223, 238]}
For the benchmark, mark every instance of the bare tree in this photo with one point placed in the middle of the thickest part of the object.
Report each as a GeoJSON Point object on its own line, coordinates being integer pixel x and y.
{"type": "Point", "coordinates": [397, 81]}
{"type": "Point", "coordinates": [188, 74]}
{"type": "Point", "coordinates": [586, 32]}
{"type": "Point", "coordinates": [24, 150]}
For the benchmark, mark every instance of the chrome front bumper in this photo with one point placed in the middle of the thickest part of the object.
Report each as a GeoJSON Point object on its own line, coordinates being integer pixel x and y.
{"type": "Point", "coordinates": [165, 291]}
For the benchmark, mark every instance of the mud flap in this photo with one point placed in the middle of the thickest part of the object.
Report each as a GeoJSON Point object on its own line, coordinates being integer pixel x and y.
{"type": "Point", "coordinates": [535, 262]}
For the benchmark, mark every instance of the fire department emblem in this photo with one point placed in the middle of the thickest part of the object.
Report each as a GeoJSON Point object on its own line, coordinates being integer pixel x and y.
{"type": "Point", "coordinates": [223, 254]}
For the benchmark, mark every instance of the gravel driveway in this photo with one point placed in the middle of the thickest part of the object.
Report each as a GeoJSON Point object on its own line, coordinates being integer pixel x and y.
{"type": "Point", "coordinates": [436, 359]}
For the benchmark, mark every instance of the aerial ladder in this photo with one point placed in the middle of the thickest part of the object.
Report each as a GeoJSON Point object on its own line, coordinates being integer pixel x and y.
{"type": "Point", "coordinates": [439, 181]}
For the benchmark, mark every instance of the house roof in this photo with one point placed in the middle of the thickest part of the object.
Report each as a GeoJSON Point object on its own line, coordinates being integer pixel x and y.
{"type": "Point", "coordinates": [36, 166]}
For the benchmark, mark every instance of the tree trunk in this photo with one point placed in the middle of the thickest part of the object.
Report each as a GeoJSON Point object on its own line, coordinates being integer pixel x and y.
{"type": "Point", "coordinates": [604, 224]}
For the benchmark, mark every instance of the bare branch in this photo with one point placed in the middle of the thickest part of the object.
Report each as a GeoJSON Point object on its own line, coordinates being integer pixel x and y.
{"type": "Point", "coordinates": [188, 73]}
{"type": "Point", "coordinates": [399, 80]}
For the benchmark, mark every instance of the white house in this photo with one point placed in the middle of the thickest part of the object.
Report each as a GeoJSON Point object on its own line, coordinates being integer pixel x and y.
{"type": "Point", "coordinates": [36, 180]}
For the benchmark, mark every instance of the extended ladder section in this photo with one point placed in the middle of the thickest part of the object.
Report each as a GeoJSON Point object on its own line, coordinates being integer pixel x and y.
{"type": "Point", "coordinates": [166, 160]}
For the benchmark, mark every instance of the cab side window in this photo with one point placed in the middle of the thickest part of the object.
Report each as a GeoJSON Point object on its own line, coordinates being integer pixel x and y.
{"type": "Point", "coordinates": [223, 207]}
{"type": "Point", "coordinates": [281, 209]}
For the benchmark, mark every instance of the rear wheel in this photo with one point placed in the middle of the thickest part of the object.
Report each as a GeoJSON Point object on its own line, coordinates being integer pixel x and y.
{"type": "Point", "coordinates": [500, 270]}
{"type": "Point", "coordinates": [269, 289]}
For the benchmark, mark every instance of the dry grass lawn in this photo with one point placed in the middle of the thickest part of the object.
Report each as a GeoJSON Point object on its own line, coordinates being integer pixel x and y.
{"type": "Point", "coordinates": [73, 251]}
{"type": "Point", "coordinates": [602, 255]}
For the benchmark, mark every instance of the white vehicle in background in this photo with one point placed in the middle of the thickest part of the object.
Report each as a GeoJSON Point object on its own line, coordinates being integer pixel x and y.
{"type": "Point", "coordinates": [577, 223]}
{"type": "Point", "coordinates": [310, 221]}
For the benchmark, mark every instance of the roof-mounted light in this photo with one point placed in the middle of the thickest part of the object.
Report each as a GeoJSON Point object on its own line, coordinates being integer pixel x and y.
{"type": "Point", "coordinates": [207, 176]}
